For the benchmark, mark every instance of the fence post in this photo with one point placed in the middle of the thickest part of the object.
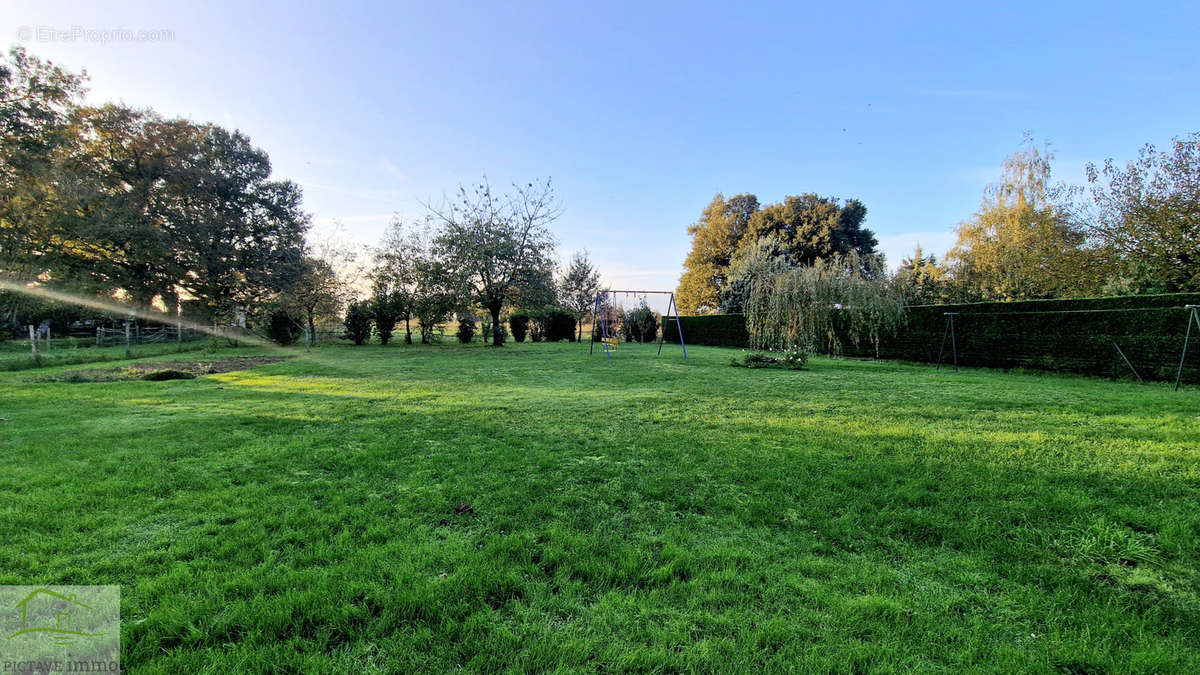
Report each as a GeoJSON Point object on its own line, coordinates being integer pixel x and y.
{"type": "Point", "coordinates": [127, 351]}
{"type": "Point", "coordinates": [33, 345]}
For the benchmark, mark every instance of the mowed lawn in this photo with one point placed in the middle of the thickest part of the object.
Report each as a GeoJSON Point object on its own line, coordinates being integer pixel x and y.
{"type": "Point", "coordinates": [402, 509]}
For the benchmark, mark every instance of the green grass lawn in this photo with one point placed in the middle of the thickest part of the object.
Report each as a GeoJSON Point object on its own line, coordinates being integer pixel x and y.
{"type": "Point", "coordinates": [648, 514]}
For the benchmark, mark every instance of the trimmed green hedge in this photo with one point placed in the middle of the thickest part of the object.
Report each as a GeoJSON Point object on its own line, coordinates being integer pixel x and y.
{"type": "Point", "coordinates": [718, 330]}
{"type": "Point", "coordinates": [1074, 336]}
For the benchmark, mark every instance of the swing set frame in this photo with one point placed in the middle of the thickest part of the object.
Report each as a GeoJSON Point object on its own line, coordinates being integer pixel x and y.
{"type": "Point", "coordinates": [598, 314]}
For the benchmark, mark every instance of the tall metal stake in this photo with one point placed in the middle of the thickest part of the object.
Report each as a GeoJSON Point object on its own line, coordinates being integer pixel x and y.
{"type": "Point", "coordinates": [678, 324]}
{"type": "Point", "coordinates": [604, 329]}
{"type": "Point", "coordinates": [953, 342]}
{"type": "Point", "coordinates": [1193, 316]}
{"type": "Point", "coordinates": [592, 332]}
{"type": "Point", "coordinates": [1126, 359]}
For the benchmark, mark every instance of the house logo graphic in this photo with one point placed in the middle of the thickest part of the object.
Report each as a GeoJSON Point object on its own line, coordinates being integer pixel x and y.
{"type": "Point", "coordinates": [47, 614]}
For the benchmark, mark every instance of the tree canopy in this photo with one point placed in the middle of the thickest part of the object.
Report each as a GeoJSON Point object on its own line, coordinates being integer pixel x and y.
{"type": "Point", "coordinates": [111, 200]}
{"type": "Point", "coordinates": [491, 241]}
{"type": "Point", "coordinates": [799, 230]}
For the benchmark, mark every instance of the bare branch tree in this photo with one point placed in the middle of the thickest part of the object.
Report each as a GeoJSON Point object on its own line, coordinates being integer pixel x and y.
{"type": "Point", "coordinates": [490, 239]}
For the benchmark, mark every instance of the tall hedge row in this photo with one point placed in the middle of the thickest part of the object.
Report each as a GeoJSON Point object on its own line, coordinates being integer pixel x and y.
{"type": "Point", "coordinates": [1061, 335]}
{"type": "Point", "coordinates": [718, 330]}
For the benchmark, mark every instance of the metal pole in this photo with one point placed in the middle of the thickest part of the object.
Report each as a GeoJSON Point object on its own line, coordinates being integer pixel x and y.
{"type": "Point", "coordinates": [953, 343]}
{"type": "Point", "coordinates": [592, 331]}
{"type": "Point", "coordinates": [662, 330]}
{"type": "Point", "coordinates": [604, 333]}
{"type": "Point", "coordinates": [127, 352]}
{"type": "Point", "coordinates": [945, 334]}
{"type": "Point", "coordinates": [679, 325]}
{"type": "Point", "coordinates": [1192, 316]}
{"type": "Point", "coordinates": [1135, 372]}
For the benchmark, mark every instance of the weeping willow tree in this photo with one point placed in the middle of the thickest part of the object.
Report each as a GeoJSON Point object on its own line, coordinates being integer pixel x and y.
{"type": "Point", "coordinates": [815, 307]}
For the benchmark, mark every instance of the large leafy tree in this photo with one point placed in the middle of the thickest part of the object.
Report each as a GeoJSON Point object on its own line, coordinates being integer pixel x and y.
{"type": "Point", "coordinates": [438, 294]}
{"type": "Point", "coordinates": [120, 201]}
{"type": "Point", "coordinates": [316, 292]}
{"type": "Point", "coordinates": [1021, 244]}
{"type": "Point", "coordinates": [810, 228]}
{"type": "Point", "coordinates": [715, 237]}
{"type": "Point", "coordinates": [810, 306]}
{"type": "Point", "coordinates": [578, 288]}
{"type": "Point", "coordinates": [124, 205]}
{"type": "Point", "coordinates": [240, 229]}
{"type": "Point", "coordinates": [415, 280]}
{"type": "Point", "coordinates": [491, 240]}
{"type": "Point", "coordinates": [1147, 217]}
{"type": "Point", "coordinates": [36, 102]}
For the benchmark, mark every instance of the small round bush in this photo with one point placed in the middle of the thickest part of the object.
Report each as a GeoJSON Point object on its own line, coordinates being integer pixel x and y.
{"type": "Point", "coordinates": [520, 326]}
{"type": "Point", "coordinates": [283, 328]}
{"type": "Point", "coordinates": [466, 329]}
{"type": "Point", "coordinates": [358, 322]}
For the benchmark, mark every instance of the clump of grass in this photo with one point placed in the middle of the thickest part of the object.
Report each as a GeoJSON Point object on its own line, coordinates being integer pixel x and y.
{"type": "Point", "coordinates": [1106, 543]}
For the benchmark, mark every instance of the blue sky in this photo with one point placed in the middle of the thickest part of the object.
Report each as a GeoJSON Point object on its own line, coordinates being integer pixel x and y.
{"type": "Point", "coordinates": [641, 112]}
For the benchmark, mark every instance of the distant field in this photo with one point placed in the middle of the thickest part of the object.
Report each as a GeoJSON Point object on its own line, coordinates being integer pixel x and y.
{"type": "Point", "coordinates": [415, 508]}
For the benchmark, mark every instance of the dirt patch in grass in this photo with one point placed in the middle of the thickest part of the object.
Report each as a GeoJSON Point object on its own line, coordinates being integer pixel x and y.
{"type": "Point", "coordinates": [163, 370]}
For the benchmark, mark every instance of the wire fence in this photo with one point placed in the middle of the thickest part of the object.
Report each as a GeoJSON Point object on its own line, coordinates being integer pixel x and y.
{"type": "Point", "coordinates": [141, 335]}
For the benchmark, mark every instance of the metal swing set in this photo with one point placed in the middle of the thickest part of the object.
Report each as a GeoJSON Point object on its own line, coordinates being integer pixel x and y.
{"type": "Point", "coordinates": [610, 339]}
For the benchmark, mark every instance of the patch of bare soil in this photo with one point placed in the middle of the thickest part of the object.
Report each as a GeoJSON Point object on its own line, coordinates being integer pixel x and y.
{"type": "Point", "coordinates": [163, 370]}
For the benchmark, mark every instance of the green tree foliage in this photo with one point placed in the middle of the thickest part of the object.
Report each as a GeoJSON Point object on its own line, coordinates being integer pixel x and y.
{"type": "Point", "coordinates": [809, 227]}
{"type": "Point", "coordinates": [439, 291]}
{"type": "Point", "coordinates": [560, 325]}
{"type": "Point", "coordinates": [387, 309]}
{"type": "Point", "coordinates": [920, 279]}
{"type": "Point", "coordinates": [491, 241]}
{"type": "Point", "coordinates": [466, 328]}
{"type": "Point", "coordinates": [811, 306]}
{"type": "Point", "coordinates": [283, 328]}
{"type": "Point", "coordinates": [358, 321]}
{"type": "Point", "coordinates": [519, 325]}
{"type": "Point", "coordinates": [316, 292]}
{"type": "Point", "coordinates": [1021, 244]}
{"type": "Point", "coordinates": [36, 103]}
{"type": "Point", "coordinates": [112, 200]}
{"type": "Point", "coordinates": [798, 231]}
{"type": "Point", "coordinates": [715, 237]}
{"type": "Point", "coordinates": [765, 258]}
{"type": "Point", "coordinates": [1146, 218]}
{"type": "Point", "coordinates": [639, 324]}
{"type": "Point", "coordinates": [578, 287]}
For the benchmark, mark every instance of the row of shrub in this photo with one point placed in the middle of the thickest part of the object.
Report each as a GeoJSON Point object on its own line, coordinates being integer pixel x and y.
{"type": "Point", "coordinates": [1078, 336]}
{"type": "Point", "coordinates": [554, 326]}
